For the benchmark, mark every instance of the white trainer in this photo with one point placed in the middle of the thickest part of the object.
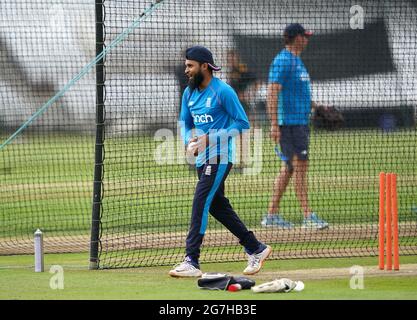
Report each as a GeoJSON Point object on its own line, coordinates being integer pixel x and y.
{"type": "Point", "coordinates": [255, 261]}
{"type": "Point", "coordinates": [185, 269]}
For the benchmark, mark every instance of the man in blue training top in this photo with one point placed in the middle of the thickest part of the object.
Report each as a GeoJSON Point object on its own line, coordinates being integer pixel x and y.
{"type": "Point", "coordinates": [211, 107]}
{"type": "Point", "coordinates": [289, 105]}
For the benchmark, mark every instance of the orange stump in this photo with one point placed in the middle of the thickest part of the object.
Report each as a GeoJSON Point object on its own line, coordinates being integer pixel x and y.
{"type": "Point", "coordinates": [389, 223]}
{"type": "Point", "coordinates": [395, 222]}
{"type": "Point", "coordinates": [381, 220]}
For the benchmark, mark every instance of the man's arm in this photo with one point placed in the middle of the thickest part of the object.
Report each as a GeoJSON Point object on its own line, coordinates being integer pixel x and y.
{"type": "Point", "coordinates": [271, 107]}
{"type": "Point", "coordinates": [186, 120]}
{"type": "Point", "coordinates": [233, 107]}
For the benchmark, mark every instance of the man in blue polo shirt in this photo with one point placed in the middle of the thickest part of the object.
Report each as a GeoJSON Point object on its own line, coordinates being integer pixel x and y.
{"type": "Point", "coordinates": [289, 105]}
{"type": "Point", "coordinates": [212, 108]}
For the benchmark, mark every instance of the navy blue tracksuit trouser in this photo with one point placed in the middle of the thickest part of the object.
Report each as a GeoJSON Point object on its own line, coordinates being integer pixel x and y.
{"type": "Point", "coordinates": [209, 197]}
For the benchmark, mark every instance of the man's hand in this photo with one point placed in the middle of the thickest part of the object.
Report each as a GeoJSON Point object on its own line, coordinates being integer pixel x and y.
{"type": "Point", "coordinates": [202, 143]}
{"type": "Point", "coordinates": [197, 144]}
{"type": "Point", "coordinates": [275, 133]}
{"type": "Point", "coordinates": [191, 148]}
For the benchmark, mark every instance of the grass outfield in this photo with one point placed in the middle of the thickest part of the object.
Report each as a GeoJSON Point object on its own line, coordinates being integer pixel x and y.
{"type": "Point", "coordinates": [47, 182]}
{"type": "Point", "coordinates": [19, 281]}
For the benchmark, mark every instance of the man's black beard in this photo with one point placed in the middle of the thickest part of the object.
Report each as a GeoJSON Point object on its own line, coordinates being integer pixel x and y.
{"type": "Point", "coordinates": [196, 81]}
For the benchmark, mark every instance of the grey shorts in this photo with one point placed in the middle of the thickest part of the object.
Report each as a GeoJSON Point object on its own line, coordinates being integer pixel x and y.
{"type": "Point", "coordinates": [294, 141]}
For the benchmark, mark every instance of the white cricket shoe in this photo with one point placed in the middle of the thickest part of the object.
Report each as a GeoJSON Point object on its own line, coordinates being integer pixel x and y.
{"type": "Point", "coordinates": [185, 269]}
{"type": "Point", "coordinates": [255, 261]}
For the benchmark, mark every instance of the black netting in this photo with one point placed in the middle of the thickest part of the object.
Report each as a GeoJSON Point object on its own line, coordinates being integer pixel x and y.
{"type": "Point", "coordinates": [363, 68]}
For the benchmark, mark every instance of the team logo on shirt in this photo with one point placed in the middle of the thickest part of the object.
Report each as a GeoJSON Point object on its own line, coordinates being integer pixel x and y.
{"type": "Point", "coordinates": [202, 118]}
{"type": "Point", "coordinates": [208, 102]}
{"type": "Point", "coordinates": [304, 76]}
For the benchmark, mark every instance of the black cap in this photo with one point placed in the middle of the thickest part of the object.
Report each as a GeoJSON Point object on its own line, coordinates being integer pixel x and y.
{"type": "Point", "coordinates": [295, 29]}
{"type": "Point", "coordinates": [202, 55]}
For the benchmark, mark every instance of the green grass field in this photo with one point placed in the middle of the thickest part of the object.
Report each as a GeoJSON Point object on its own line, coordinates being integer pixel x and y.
{"type": "Point", "coordinates": [19, 281]}
{"type": "Point", "coordinates": [46, 182]}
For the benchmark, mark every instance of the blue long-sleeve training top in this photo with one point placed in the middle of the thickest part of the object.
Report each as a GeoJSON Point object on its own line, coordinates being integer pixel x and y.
{"type": "Point", "coordinates": [217, 111]}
